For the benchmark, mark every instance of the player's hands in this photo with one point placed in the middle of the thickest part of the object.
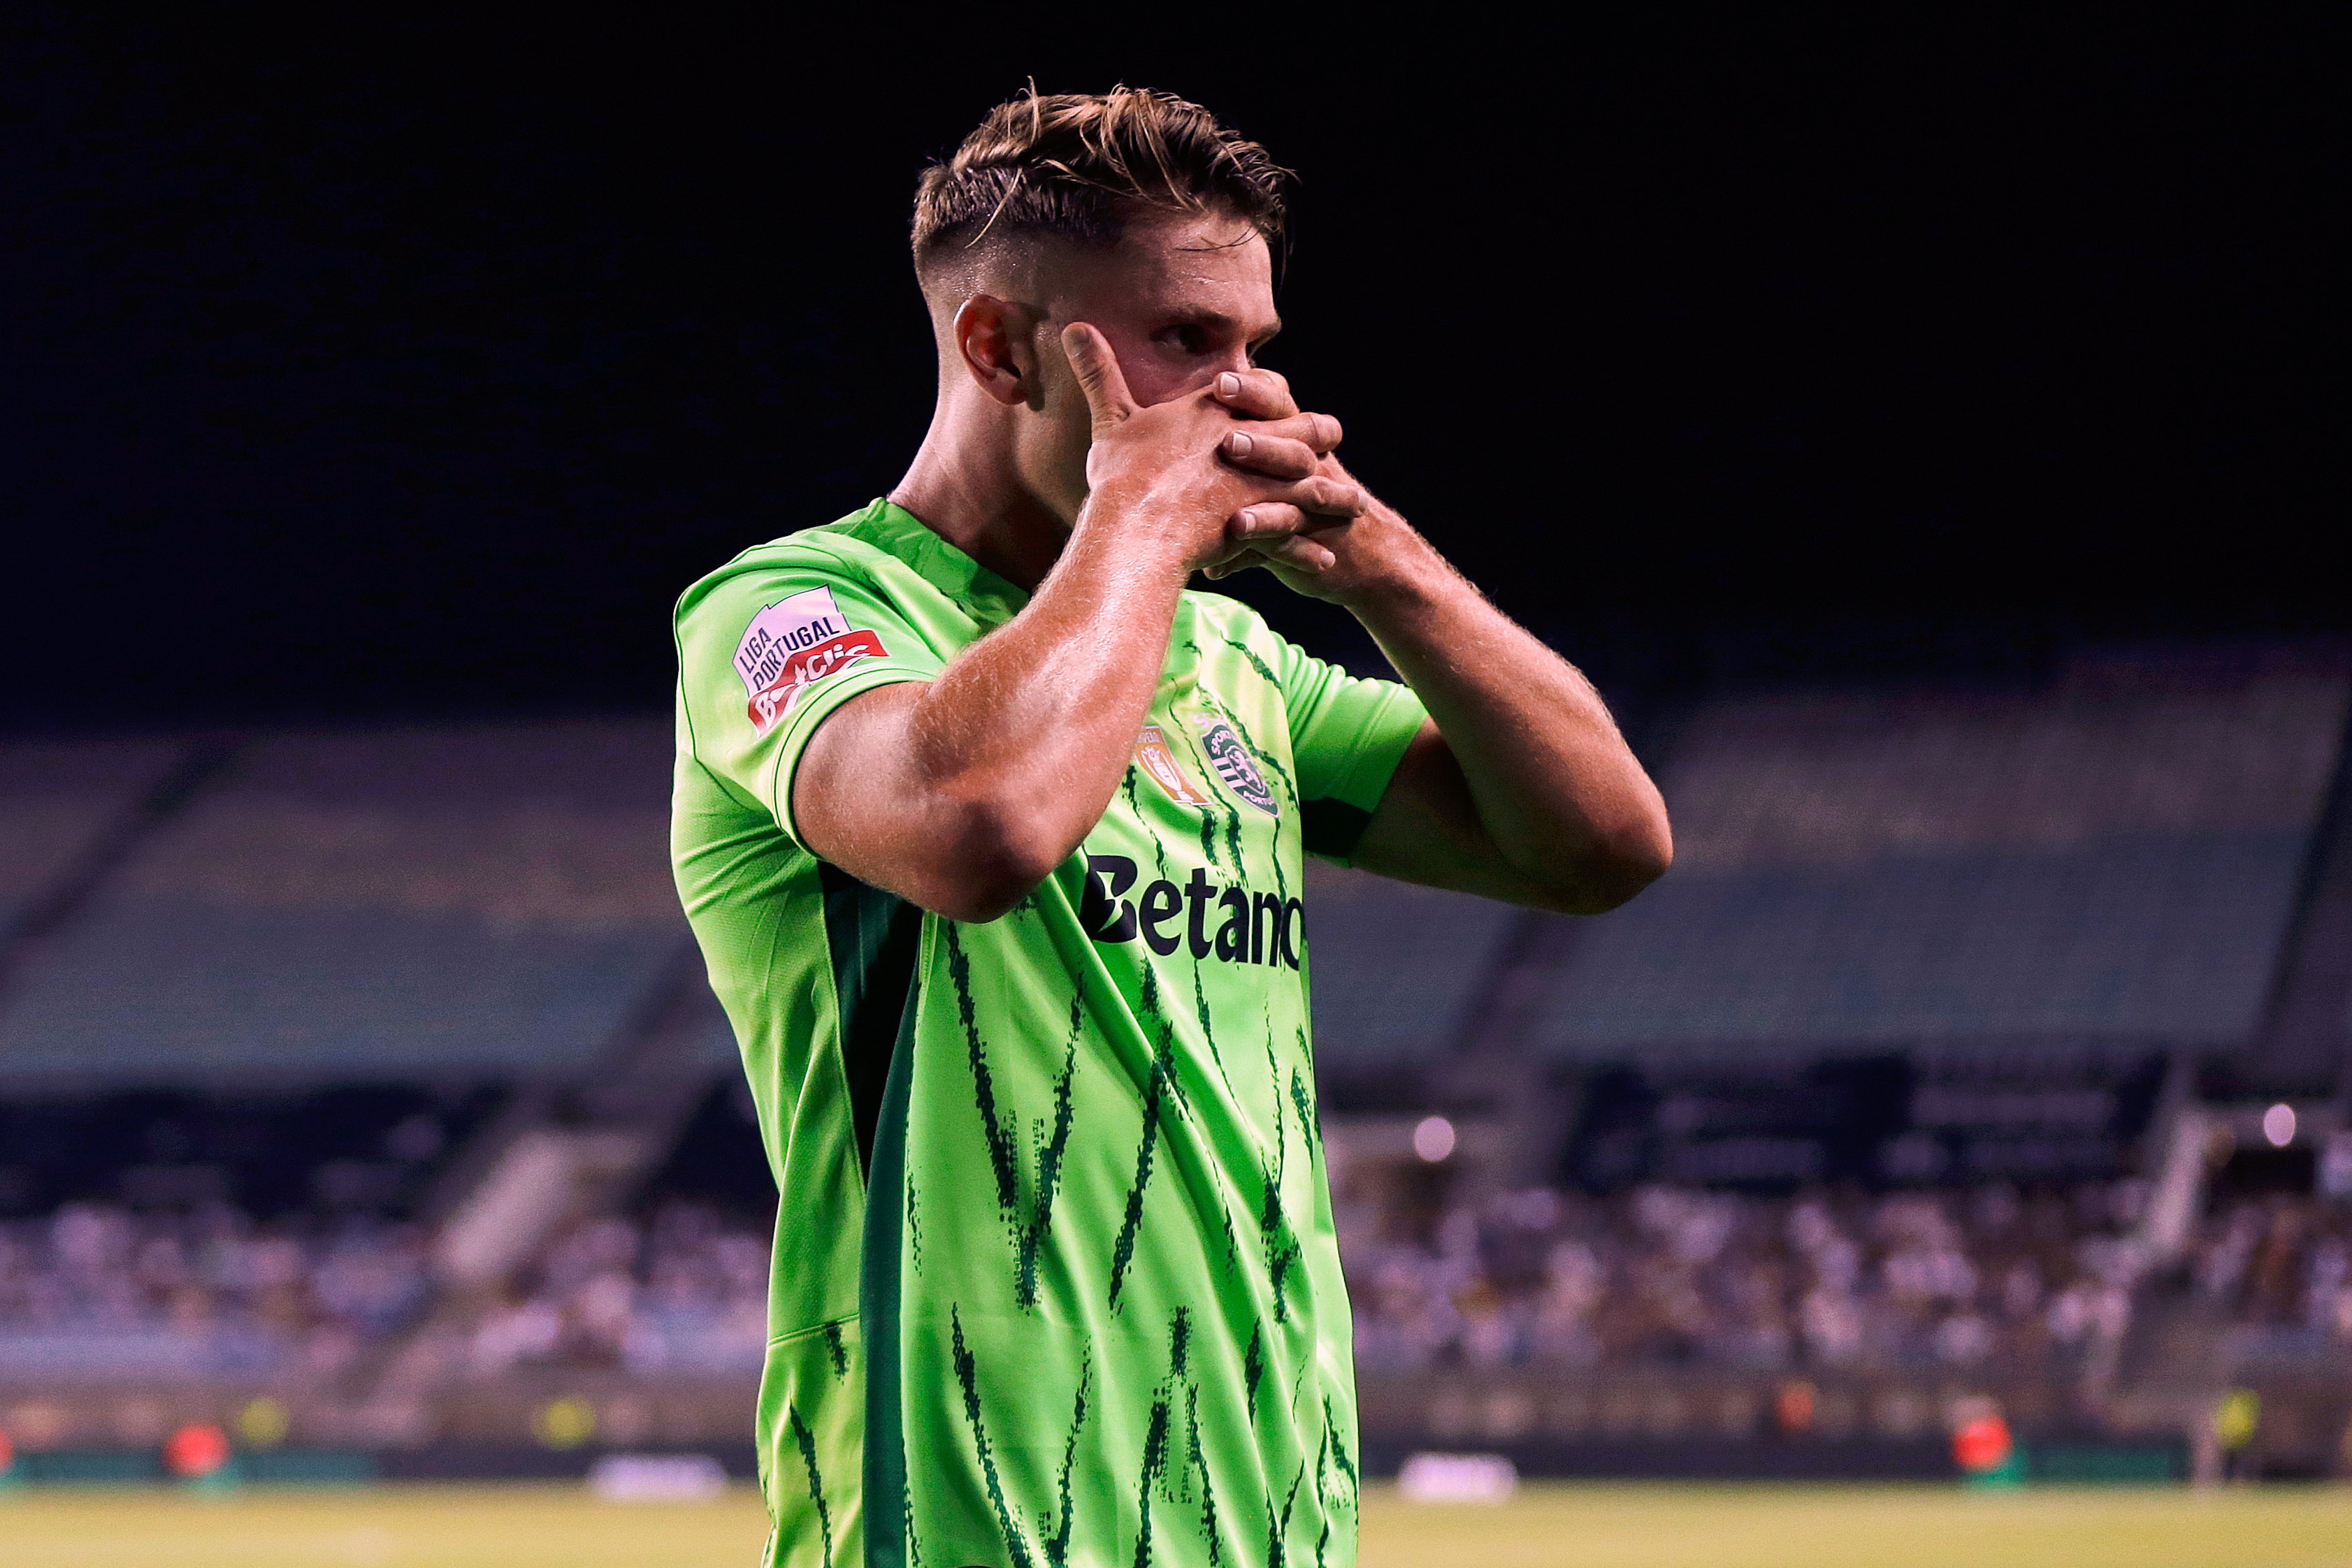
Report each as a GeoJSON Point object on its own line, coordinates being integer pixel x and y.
{"type": "Point", "coordinates": [1340, 559]}
{"type": "Point", "coordinates": [1184, 460]}
{"type": "Point", "coordinates": [1287, 443]}
{"type": "Point", "coordinates": [1281, 442]}
{"type": "Point", "coordinates": [1345, 561]}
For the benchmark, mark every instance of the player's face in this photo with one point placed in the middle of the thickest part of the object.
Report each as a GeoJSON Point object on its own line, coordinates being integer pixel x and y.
{"type": "Point", "coordinates": [1182, 298]}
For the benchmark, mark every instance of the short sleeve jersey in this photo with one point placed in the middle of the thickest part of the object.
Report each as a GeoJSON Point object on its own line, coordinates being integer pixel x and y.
{"type": "Point", "coordinates": [1055, 1277]}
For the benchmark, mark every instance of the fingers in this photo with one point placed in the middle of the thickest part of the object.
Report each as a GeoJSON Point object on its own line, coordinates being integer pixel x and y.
{"type": "Point", "coordinates": [1263, 395]}
{"type": "Point", "coordinates": [1275, 456]}
{"type": "Point", "coordinates": [1269, 523]}
{"type": "Point", "coordinates": [1265, 521]}
{"type": "Point", "coordinates": [1256, 395]}
{"type": "Point", "coordinates": [1299, 552]}
{"type": "Point", "coordinates": [1267, 534]}
{"type": "Point", "coordinates": [1097, 368]}
{"type": "Point", "coordinates": [1328, 497]}
{"type": "Point", "coordinates": [1319, 433]}
{"type": "Point", "coordinates": [1273, 532]}
{"type": "Point", "coordinates": [1261, 521]}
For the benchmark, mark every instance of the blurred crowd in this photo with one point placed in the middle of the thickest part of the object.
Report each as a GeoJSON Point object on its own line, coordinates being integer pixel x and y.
{"type": "Point", "coordinates": [685, 1292]}
{"type": "Point", "coordinates": [1977, 1278]}
{"type": "Point", "coordinates": [95, 1273]}
{"type": "Point", "coordinates": [2279, 1264]}
{"type": "Point", "coordinates": [1987, 1280]}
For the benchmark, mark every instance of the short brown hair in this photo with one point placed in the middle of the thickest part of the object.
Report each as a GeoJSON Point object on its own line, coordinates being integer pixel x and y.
{"type": "Point", "coordinates": [1065, 164]}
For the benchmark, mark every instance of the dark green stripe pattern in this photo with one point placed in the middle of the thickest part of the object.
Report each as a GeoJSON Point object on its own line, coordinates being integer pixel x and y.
{"type": "Point", "coordinates": [877, 1307]}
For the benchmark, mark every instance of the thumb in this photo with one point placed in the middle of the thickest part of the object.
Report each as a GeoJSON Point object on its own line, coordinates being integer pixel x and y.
{"type": "Point", "coordinates": [1096, 369]}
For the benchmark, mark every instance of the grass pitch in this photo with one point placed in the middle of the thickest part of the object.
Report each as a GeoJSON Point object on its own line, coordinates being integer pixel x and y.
{"type": "Point", "coordinates": [1546, 1526]}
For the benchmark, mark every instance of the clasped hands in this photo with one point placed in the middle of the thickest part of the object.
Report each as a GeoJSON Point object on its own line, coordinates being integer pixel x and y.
{"type": "Point", "coordinates": [1296, 505]}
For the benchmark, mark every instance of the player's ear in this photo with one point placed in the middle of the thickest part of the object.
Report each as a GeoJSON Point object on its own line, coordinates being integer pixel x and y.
{"type": "Point", "coordinates": [992, 339]}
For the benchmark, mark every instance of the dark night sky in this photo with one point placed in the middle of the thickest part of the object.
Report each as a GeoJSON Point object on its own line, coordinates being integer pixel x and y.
{"type": "Point", "coordinates": [392, 371]}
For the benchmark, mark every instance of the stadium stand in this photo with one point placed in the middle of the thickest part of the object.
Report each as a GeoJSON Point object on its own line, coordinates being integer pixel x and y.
{"type": "Point", "coordinates": [1396, 969]}
{"type": "Point", "coordinates": [1925, 1117]}
{"type": "Point", "coordinates": [345, 1149]}
{"type": "Point", "coordinates": [59, 800]}
{"type": "Point", "coordinates": [2113, 861]}
{"type": "Point", "coordinates": [379, 904]}
{"type": "Point", "coordinates": [1874, 1103]}
{"type": "Point", "coordinates": [101, 1294]}
{"type": "Point", "coordinates": [169, 1236]}
{"type": "Point", "coordinates": [1972, 1278]}
{"type": "Point", "coordinates": [681, 1294]}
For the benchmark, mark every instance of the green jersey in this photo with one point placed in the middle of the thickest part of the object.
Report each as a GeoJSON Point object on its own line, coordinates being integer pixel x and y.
{"type": "Point", "coordinates": [1055, 1276]}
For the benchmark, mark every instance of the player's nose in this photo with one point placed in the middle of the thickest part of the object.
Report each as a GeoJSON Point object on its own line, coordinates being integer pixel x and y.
{"type": "Point", "coordinates": [1207, 374]}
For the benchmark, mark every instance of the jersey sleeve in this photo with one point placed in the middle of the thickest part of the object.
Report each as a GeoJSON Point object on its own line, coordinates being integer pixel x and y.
{"type": "Point", "coordinates": [766, 653]}
{"type": "Point", "coordinates": [1347, 736]}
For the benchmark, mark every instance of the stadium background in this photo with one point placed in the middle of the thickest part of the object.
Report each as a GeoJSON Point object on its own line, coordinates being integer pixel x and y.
{"type": "Point", "coordinates": [1912, 436]}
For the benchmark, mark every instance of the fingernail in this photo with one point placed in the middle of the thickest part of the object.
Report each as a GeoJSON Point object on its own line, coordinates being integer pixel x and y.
{"type": "Point", "coordinates": [1247, 518]}
{"type": "Point", "coordinates": [1229, 386]}
{"type": "Point", "coordinates": [1240, 443]}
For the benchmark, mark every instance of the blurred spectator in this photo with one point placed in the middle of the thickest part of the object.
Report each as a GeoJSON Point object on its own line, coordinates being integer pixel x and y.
{"type": "Point", "coordinates": [319, 1292]}
{"type": "Point", "coordinates": [1983, 1279]}
{"type": "Point", "coordinates": [2279, 1263]}
{"type": "Point", "coordinates": [685, 1293]}
{"type": "Point", "coordinates": [1667, 1275]}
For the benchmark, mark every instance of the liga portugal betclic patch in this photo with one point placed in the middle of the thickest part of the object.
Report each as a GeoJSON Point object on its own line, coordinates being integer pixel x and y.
{"type": "Point", "coordinates": [793, 644]}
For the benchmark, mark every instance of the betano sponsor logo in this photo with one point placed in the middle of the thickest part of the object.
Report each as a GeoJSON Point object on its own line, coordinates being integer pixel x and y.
{"type": "Point", "coordinates": [1248, 927]}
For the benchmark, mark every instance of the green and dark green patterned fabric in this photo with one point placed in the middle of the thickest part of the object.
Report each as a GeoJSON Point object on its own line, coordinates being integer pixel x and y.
{"type": "Point", "coordinates": [1055, 1281]}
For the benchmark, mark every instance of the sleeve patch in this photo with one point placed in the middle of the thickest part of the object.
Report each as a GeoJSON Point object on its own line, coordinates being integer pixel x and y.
{"type": "Point", "coordinates": [792, 645]}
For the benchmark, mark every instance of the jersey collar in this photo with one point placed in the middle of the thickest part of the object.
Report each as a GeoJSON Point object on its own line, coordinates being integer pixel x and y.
{"type": "Point", "coordinates": [887, 526]}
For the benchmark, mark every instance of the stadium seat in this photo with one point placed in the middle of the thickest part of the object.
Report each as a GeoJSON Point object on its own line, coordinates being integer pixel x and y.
{"type": "Point", "coordinates": [2116, 859]}
{"type": "Point", "coordinates": [59, 800]}
{"type": "Point", "coordinates": [385, 904]}
{"type": "Point", "coordinates": [1395, 967]}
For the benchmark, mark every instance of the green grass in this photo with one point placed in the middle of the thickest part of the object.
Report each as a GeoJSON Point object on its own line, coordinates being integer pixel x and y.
{"type": "Point", "coordinates": [1570, 1526]}
{"type": "Point", "coordinates": [1585, 1526]}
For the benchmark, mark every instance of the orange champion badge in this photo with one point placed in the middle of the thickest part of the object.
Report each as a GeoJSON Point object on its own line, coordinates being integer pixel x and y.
{"type": "Point", "coordinates": [1154, 756]}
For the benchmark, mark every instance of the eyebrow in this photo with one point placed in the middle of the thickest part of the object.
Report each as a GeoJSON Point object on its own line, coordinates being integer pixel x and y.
{"type": "Point", "coordinates": [1215, 318]}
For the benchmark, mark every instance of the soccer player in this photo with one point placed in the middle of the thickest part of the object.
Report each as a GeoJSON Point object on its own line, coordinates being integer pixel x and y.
{"type": "Point", "coordinates": [991, 833]}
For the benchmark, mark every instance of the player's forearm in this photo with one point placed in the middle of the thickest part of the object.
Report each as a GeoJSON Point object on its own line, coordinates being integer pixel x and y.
{"type": "Point", "coordinates": [963, 793]}
{"type": "Point", "coordinates": [1559, 799]}
{"type": "Point", "coordinates": [1022, 740]}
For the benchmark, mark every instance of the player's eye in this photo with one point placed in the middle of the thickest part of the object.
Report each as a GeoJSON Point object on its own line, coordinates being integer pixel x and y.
{"type": "Point", "coordinates": [1188, 338]}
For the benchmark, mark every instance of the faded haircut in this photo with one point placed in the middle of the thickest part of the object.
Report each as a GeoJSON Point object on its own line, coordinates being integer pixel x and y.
{"type": "Point", "coordinates": [1069, 165]}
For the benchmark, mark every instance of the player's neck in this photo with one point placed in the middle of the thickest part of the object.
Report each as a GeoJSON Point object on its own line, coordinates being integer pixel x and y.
{"type": "Point", "coordinates": [966, 489]}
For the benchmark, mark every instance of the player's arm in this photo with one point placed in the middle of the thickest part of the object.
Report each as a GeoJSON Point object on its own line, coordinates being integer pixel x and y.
{"type": "Point", "coordinates": [1520, 788]}
{"type": "Point", "coordinates": [964, 792]}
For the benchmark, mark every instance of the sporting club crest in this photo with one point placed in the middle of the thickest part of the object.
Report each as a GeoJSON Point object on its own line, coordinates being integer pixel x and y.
{"type": "Point", "coordinates": [1233, 763]}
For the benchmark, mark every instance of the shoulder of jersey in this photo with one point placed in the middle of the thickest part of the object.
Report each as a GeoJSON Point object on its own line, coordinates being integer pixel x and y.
{"type": "Point", "coordinates": [817, 549]}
